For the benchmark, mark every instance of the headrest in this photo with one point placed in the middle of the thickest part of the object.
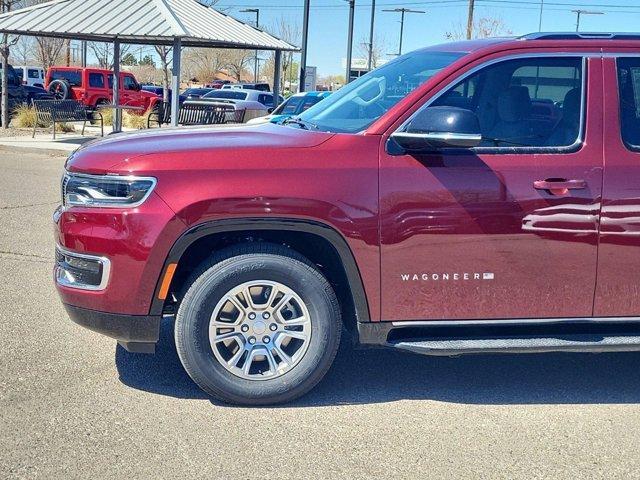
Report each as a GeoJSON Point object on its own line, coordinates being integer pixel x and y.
{"type": "Point", "coordinates": [514, 104]}
{"type": "Point", "coordinates": [571, 105]}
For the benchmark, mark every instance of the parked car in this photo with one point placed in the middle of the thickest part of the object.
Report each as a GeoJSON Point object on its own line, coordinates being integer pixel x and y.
{"type": "Point", "coordinates": [217, 84]}
{"type": "Point", "coordinates": [159, 90]}
{"type": "Point", "coordinates": [263, 87]}
{"type": "Point", "coordinates": [411, 208]}
{"type": "Point", "coordinates": [255, 103]}
{"type": "Point", "coordinates": [36, 93]}
{"type": "Point", "coordinates": [31, 76]}
{"type": "Point", "coordinates": [292, 106]}
{"type": "Point", "coordinates": [17, 92]}
{"type": "Point", "coordinates": [191, 93]}
{"type": "Point", "coordinates": [94, 87]}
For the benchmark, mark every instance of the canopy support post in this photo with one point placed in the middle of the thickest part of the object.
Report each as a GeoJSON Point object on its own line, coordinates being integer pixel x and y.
{"type": "Point", "coordinates": [277, 73]}
{"type": "Point", "coordinates": [117, 112]}
{"type": "Point", "coordinates": [175, 82]}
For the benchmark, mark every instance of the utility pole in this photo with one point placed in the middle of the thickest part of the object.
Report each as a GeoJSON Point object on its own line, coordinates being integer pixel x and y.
{"type": "Point", "coordinates": [305, 41]}
{"type": "Point", "coordinates": [470, 19]}
{"type": "Point", "coordinates": [257, 12]}
{"type": "Point", "coordinates": [84, 54]}
{"type": "Point", "coordinates": [352, 7]}
{"type": "Point", "coordinates": [540, 20]}
{"type": "Point", "coordinates": [579, 13]}
{"type": "Point", "coordinates": [402, 12]}
{"type": "Point", "coordinates": [373, 18]}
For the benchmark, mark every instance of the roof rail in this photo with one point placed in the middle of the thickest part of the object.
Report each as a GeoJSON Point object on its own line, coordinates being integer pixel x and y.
{"type": "Point", "coordinates": [580, 36]}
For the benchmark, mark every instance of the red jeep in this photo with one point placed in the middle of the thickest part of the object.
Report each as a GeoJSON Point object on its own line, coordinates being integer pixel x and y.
{"type": "Point", "coordinates": [470, 197]}
{"type": "Point", "coordinates": [94, 87]}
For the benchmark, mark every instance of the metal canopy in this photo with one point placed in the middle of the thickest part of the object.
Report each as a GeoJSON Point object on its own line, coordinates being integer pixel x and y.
{"type": "Point", "coordinates": [179, 23]}
{"type": "Point", "coordinates": [156, 22]}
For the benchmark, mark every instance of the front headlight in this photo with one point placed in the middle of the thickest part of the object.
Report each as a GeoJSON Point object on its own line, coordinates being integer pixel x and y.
{"type": "Point", "coordinates": [105, 190]}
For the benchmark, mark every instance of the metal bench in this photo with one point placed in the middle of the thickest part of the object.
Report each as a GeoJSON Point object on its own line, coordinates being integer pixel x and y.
{"type": "Point", "coordinates": [62, 111]}
{"type": "Point", "coordinates": [196, 114]}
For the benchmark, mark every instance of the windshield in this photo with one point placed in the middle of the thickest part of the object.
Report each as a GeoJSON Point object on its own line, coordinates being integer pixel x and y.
{"type": "Point", "coordinates": [357, 105]}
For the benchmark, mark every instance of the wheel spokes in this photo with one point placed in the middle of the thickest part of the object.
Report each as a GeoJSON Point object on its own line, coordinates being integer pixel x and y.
{"type": "Point", "coordinates": [260, 330]}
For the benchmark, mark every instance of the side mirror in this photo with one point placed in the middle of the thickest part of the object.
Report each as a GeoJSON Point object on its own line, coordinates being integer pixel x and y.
{"type": "Point", "coordinates": [270, 110]}
{"type": "Point", "coordinates": [435, 128]}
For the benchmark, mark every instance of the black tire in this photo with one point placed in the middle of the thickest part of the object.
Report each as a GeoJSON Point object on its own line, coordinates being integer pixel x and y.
{"type": "Point", "coordinates": [60, 89]}
{"type": "Point", "coordinates": [235, 266]}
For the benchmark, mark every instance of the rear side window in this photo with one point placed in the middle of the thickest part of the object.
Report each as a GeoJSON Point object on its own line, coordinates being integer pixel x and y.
{"type": "Point", "coordinates": [629, 93]}
{"type": "Point", "coordinates": [96, 80]}
{"type": "Point", "coordinates": [531, 102]}
{"type": "Point", "coordinates": [34, 73]}
{"type": "Point", "coordinates": [74, 77]}
{"type": "Point", "coordinates": [266, 100]}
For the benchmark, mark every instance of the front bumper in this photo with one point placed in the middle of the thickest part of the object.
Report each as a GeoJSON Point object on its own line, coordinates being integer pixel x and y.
{"type": "Point", "coordinates": [136, 333]}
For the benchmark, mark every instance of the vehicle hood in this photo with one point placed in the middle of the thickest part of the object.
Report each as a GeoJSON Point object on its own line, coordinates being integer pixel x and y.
{"type": "Point", "coordinates": [147, 94]}
{"type": "Point", "coordinates": [125, 152]}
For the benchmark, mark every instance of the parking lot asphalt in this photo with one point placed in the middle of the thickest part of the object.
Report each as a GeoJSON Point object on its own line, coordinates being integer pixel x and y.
{"type": "Point", "coordinates": [73, 405]}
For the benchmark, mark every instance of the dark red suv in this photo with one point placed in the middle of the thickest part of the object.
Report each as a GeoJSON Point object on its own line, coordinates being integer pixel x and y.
{"type": "Point", "coordinates": [465, 198]}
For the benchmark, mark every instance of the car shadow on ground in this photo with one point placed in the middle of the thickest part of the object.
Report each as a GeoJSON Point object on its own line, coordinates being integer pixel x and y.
{"type": "Point", "coordinates": [377, 376]}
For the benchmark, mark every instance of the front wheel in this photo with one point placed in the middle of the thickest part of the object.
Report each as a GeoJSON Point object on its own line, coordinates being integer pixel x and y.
{"type": "Point", "coordinates": [258, 325]}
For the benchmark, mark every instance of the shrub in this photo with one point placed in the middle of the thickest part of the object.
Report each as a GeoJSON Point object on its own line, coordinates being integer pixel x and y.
{"type": "Point", "coordinates": [25, 117]}
{"type": "Point", "coordinates": [132, 120]}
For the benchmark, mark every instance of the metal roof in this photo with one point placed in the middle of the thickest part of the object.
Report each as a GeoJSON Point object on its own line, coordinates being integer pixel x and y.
{"type": "Point", "coordinates": [138, 21]}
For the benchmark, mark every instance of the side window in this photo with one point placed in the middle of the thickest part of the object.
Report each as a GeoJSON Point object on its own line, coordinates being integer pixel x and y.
{"type": "Point", "coordinates": [532, 102]}
{"type": "Point", "coordinates": [629, 93]}
{"type": "Point", "coordinates": [96, 80]}
{"type": "Point", "coordinates": [33, 73]}
{"type": "Point", "coordinates": [130, 83]}
{"type": "Point", "coordinates": [266, 99]}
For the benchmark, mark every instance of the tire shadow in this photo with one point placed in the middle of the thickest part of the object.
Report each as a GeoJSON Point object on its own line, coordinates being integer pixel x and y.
{"type": "Point", "coordinates": [380, 375]}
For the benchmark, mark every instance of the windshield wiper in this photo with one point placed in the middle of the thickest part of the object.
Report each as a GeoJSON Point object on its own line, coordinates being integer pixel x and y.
{"type": "Point", "coordinates": [301, 123]}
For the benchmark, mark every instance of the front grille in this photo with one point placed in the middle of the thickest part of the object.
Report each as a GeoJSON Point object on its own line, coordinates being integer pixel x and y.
{"type": "Point", "coordinates": [63, 188]}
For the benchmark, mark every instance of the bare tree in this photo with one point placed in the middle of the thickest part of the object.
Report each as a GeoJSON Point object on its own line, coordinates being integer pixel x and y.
{"type": "Point", "coordinates": [23, 52]}
{"type": "Point", "coordinates": [380, 49]}
{"type": "Point", "coordinates": [290, 33]}
{"type": "Point", "coordinates": [165, 54]}
{"type": "Point", "coordinates": [48, 51]}
{"type": "Point", "coordinates": [483, 27]}
{"type": "Point", "coordinates": [204, 63]}
{"type": "Point", "coordinates": [238, 61]}
{"type": "Point", "coordinates": [104, 53]}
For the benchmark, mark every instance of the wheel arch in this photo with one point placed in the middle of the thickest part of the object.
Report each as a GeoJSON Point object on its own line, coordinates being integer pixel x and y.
{"type": "Point", "coordinates": [319, 242]}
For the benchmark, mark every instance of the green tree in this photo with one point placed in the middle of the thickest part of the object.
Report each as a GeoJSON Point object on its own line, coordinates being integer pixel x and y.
{"type": "Point", "coordinates": [130, 60]}
{"type": "Point", "coordinates": [147, 60]}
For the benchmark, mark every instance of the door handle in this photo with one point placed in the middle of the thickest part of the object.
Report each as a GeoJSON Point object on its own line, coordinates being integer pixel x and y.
{"type": "Point", "coordinates": [559, 186]}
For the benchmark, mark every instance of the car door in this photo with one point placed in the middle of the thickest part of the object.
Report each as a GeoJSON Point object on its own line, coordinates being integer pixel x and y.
{"type": "Point", "coordinates": [508, 229]}
{"type": "Point", "coordinates": [617, 292]}
{"type": "Point", "coordinates": [129, 92]}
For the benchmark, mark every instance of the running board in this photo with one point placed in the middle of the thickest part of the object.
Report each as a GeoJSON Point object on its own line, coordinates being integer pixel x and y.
{"type": "Point", "coordinates": [567, 343]}
{"type": "Point", "coordinates": [505, 336]}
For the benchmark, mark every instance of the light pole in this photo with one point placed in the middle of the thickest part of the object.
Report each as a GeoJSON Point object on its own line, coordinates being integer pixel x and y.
{"type": "Point", "coordinates": [257, 12]}
{"type": "Point", "coordinates": [352, 7]}
{"type": "Point", "coordinates": [373, 18]}
{"type": "Point", "coordinates": [470, 19]}
{"type": "Point", "coordinates": [305, 40]}
{"type": "Point", "coordinates": [402, 12]}
{"type": "Point", "coordinates": [579, 13]}
{"type": "Point", "coordinates": [540, 20]}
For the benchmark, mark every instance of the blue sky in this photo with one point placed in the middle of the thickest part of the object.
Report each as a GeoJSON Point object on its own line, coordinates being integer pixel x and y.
{"type": "Point", "coordinates": [329, 18]}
